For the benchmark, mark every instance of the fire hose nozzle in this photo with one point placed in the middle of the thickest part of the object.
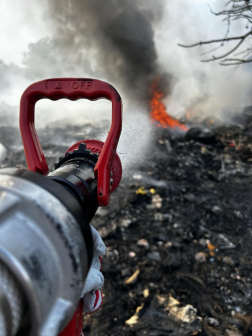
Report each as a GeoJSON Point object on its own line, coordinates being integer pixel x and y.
{"type": "Point", "coordinates": [45, 253]}
{"type": "Point", "coordinates": [73, 89]}
{"type": "Point", "coordinates": [46, 244]}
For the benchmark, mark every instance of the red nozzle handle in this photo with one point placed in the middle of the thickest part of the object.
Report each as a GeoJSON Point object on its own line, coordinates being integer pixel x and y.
{"type": "Point", "coordinates": [73, 89]}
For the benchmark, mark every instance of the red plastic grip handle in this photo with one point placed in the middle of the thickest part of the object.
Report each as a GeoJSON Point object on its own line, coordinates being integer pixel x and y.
{"type": "Point", "coordinates": [74, 327]}
{"type": "Point", "coordinates": [73, 89]}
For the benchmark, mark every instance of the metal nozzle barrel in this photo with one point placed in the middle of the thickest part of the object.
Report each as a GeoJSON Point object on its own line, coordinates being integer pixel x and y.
{"type": "Point", "coordinates": [45, 253]}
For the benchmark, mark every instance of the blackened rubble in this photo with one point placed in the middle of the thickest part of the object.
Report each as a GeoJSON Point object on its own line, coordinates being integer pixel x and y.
{"type": "Point", "coordinates": [179, 238]}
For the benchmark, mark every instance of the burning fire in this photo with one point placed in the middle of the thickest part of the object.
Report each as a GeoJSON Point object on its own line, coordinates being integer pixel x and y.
{"type": "Point", "coordinates": [159, 114]}
{"type": "Point", "coordinates": [192, 116]}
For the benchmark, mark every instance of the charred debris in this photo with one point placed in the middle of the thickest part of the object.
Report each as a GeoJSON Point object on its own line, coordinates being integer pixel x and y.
{"type": "Point", "coordinates": [178, 232]}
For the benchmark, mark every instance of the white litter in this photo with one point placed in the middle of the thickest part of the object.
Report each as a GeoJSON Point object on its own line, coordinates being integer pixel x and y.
{"type": "Point", "coordinates": [3, 153]}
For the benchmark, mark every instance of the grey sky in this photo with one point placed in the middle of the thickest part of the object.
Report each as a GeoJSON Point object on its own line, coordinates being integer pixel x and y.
{"type": "Point", "coordinates": [31, 50]}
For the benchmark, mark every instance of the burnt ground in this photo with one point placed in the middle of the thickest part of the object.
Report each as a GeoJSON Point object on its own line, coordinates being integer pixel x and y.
{"type": "Point", "coordinates": [178, 232]}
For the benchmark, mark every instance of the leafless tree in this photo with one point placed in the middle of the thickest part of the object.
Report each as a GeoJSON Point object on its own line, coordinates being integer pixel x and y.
{"type": "Point", "coordinates": [235, 10]}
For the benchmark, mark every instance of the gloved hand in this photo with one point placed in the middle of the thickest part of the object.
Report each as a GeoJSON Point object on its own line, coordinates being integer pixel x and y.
{"type": "Point", "coordinates": [92, 296]}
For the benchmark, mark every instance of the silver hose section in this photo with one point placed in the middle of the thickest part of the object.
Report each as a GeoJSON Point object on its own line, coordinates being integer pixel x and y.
{"type": "Point", "coordinates": [11, 303]}
{"type": "Point", "coordinates": [5, 315]}
{"type": "Point", "coordinates": [46, 259]}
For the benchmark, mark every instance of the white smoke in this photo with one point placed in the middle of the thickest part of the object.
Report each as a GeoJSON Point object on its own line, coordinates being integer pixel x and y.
{"type": "Point", "coordinates": [208, 88]}
{"type": "Point", "coordinates": [29, 53]}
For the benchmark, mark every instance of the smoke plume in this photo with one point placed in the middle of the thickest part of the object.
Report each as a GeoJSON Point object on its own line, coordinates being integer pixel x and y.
{"type": "Point", "coordinates": [127, 43]}
{"type": "Point", "coordinates": [114, 38]}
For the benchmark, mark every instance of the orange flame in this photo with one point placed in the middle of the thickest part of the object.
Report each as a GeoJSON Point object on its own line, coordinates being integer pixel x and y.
{"type": "Point", "coordinates": [159, 114]}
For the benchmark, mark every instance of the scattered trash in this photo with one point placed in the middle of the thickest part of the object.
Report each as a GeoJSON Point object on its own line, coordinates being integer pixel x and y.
{"type": "Point", "coordinates": [162, 217]}
{"type": "Point", "coordinates": [3, 153]}
{"type": "Point", "coordinates": [113, 255]}
{"type": "Point", "coordinates": [168, 244]}
{"type": "Point", "coordinates": [154, 256]}
{"type": "Point", "coordinates": [213, 321]}
{"type": "Point", "coordinates": [187, 314]}
{"type": "Point", "coordinates": [203, 135]}
{"type": "Point", "coordinates": [126, 223]}
{"type": "Point", "coordinates": [227, 243]}
{"type": "Point", "coordinates": [238, 214]}
{"type": "Point", "coordinates": [229, 332]}
{"type": "Point", "coordinates": [150, 182]}
{"type": "Point", "coordinates": [161, 237]}
{"type": "Point", "coordinates": [143, 242]}
{"type": "Point", "coordinates": [204, 191]}
{"type": "Point", "coordinates": [158, 217]}
{"type": "Point", "coordinates": [228, 260]}
{"type": "Point", "coordinates": [107, 230]}
{"type": "Point", "coordinates": [165, 313]}
{"type": "Point", "coordinates": [189, 197]}
{"type": "Point", "coordinates": [102, 212]}
{"type": "Point", "coordinates": [141, 191]}
{"type": "Point", "coordinates": [168, 145]}
{"type": "Point", "coordinates": [146, 293]}
{"type": "Point", "coordinates": [201, 257]}
{"type": "Point", "coordinates": [134, 319]}
{"type": "Point", "coordinates": [132, 254]}
{"type": "Point", "coordinates": [125, 272]}
{"type": "Point", "coordinates": [156, 201]}
{"type": "Point", "coordinates": [204, 242]}
{"type": "Point", "coordinates": [211, 249]}
{"type": "Point", "coordinates": [133, 278]}
{"type": "Point", "coordinates": [217, 210]}
{"type": "Point", "coordinates": [137, 177]}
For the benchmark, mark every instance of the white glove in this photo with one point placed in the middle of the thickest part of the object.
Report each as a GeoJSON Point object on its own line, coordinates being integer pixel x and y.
{"type": "Point", "coordinates": [92, 296]}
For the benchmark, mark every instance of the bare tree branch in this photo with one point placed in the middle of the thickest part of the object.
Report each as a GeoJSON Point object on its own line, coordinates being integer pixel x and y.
{"type": "Point", "coordinates": [210, 51]}
{"type": "Point", "coordinates": [240, 10]}
{"type": "Point", "coordinates": [228, 39]}
{"type": "Point", "coordinates": [228, 53]}
{"type": "Point", "coordinates": [235, 60]}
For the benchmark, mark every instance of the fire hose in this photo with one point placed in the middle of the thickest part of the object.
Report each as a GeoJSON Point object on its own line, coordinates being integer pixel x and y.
{"type": "Point", "coordinates": [46, 244]}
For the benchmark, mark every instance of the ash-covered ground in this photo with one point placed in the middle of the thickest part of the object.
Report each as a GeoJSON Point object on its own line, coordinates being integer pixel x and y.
{"type": "Point", "coordinates": [178, 232]}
